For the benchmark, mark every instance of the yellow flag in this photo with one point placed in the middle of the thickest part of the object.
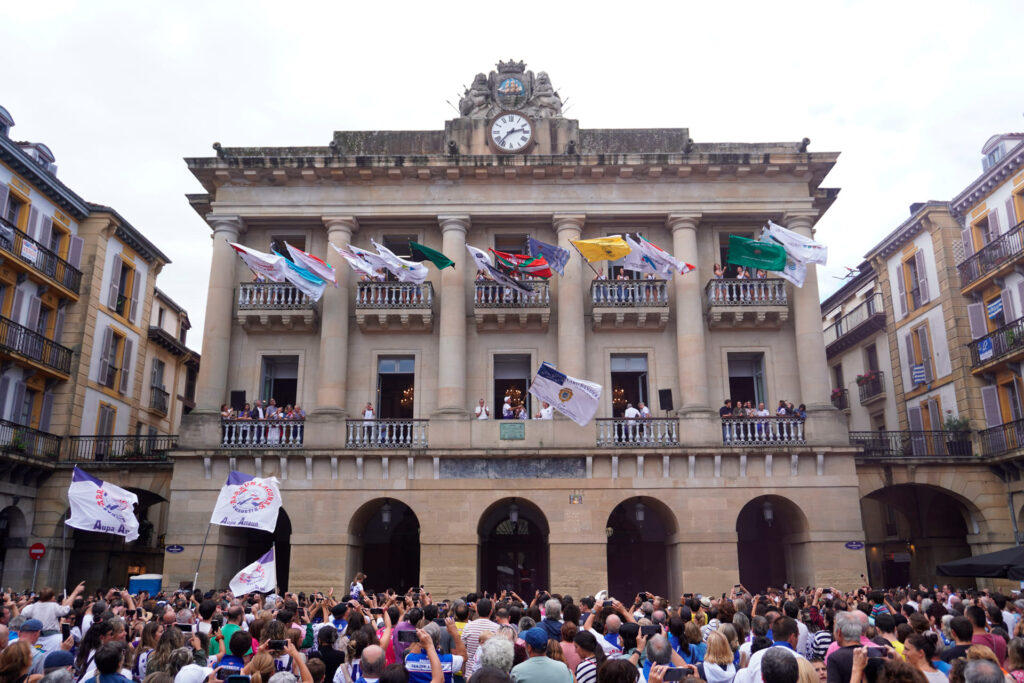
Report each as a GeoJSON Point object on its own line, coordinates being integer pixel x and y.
{"type": "Point", "coordinates": [603, 248]}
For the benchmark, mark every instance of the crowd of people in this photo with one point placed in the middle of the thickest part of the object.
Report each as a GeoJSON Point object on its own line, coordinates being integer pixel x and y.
{"type": "Point", "coordinates": [732, 408]}
{"type": "Point", "coordinates": [263, 410]}
{"type": "Point", "coordinates": [513, 409]}
{"type": "Point", "coordinates": [789, 635]}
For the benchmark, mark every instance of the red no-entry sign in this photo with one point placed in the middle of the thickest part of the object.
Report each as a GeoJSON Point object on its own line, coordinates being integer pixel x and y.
{"type": "Point", "coordinates": [36, 551]}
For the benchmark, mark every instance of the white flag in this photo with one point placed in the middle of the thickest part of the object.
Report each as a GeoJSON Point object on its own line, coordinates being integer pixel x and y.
{"type": "Point", "coordinates": [248, 501]}
{"type": "Point", "coordinates": [406, 271]}
{"type": "Point", "coordinates": [795, 272]}
{"type": "Point", "coordinates": [258, 577]}
{"type": "Point", "coordinates": [305, 281]}
{"type": "Point", "coordinates": [636, 259]}
{"type": "Point", "coordinates": [482, 258]}
{"type": "Point", "coordinates": [664, 262]}
{"type": "Point", "coordinates": [357, 262]}
{"type": "Point", "coordinates": [577, 399]}
{"type": "Point", "coordinates": [270, 266]}
{"type": "Point", "coordinates": [102, 507]}
{"type": "Point", "coordinates": [799, 248]}
{"type": "Point", "coordinates": [318, 267]}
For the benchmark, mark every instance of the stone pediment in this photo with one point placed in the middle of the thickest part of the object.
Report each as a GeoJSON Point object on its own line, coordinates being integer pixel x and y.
{"type": "Point", "coordinates": [511, 87]}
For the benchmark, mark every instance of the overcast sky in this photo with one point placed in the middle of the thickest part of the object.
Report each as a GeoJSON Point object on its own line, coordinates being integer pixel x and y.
{"type": "Point", "coordinates": [121, 91]}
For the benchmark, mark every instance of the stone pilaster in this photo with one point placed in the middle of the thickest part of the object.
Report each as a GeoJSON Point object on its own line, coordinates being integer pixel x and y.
{"type": "Point", "coordinates": [331, 391]}
{"type": "Point", "coordinates": [810, 340]}
{"type": "Point", "coordinates": [212, 384]}
{"type": "Point", "coordinates": [571, 333]}
{"type": "Point", "coordinates": [451, 365]}
{"type": "Point", "coordinates": [689, 311]}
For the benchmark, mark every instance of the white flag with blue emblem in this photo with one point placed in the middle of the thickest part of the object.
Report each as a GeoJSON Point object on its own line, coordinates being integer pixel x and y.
{"type": "Point", "coordinates": [799, 248]}
{"type": "Point", "coordinates": [248, 501]}
{"type": "Point", "coordinates": [100, 506]}
{"type": "Point", "coordinates": [918, 375]}
{"type": "Point", "coordinates": [795, 272]}
{"type": "Point", "coordinates": [577, 399]}
{"type": "Point", "coordinates": [258, 577]}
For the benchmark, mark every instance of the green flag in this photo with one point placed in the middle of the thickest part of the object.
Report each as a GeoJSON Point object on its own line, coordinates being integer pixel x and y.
{"type": "Point", "coordinates": [420, 253]}
{"type": "Point", "coordinates": [753, 254]}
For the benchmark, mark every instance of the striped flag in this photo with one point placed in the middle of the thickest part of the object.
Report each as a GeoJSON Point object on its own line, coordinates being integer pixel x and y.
{"type": "Point", "coordinates": [318, 267]}
{"type": "Point", "coordinates": [269, 266]}
{"type": "Point", "coordinates": [555, 255]}
{"type": "Point", "coordinates": [531, 265]}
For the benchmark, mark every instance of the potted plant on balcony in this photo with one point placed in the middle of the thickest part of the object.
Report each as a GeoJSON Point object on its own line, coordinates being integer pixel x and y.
{"type": "Point", "coordinates": [867, 378]}
{"type": "Point", "coordinates": [958, 435]}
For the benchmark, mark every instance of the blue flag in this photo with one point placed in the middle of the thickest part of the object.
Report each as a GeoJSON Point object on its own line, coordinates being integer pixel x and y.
{"type": "Point", "coordinates": [552, 253]}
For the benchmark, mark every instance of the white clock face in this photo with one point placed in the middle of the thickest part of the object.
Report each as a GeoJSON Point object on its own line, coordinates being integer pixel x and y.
{"type": "Point", "coordinates": [511, 132]}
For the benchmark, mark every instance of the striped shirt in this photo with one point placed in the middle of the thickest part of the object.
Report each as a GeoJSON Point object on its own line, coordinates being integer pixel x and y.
{"type": "Point", "coordinates": [586, 671]}
{"type": "Point", "coordinates": [471, 637]}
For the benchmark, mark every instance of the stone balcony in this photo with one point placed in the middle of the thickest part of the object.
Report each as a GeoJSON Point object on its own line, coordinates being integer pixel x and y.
{"type": "Point", "coordinates": [395, 306]}
{"type": "Point", "coordinates": [275, 307]}
{"type": "Point", "coordinates": [746, 303]}
{"type": "Point", "coordinates": [498, 308]}
{"type": "Point", "coordinates": [629, 304]}
{"type": "Point", "coordinates": [998, 257]}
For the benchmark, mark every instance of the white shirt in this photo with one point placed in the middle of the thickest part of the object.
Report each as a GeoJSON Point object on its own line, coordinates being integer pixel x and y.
{"type": "Point", "coordinates": [482, 413]}
{"type": "Point", "coordinates": [752, 672]}
{"type": "Point", "coordinates": [547, 413]}
{"type": "Point", "coordinates": [762, 413]}
{"type": "Point", "coordinates": [632, 413]}
{"type": "Point", "coordinates": [646, 412]}
{"type": "Point", "coordinates": [368, 414]}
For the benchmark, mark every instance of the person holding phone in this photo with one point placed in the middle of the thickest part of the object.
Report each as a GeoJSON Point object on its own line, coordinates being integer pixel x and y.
{"type": "Point", "coordinates": [48, 611]}
{"type": "Point", "coordinates": [425, 665]}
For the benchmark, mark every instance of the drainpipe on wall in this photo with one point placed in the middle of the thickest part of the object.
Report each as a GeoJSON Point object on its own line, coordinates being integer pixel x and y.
{"type": "Point", "coordinates": [1013, 513]}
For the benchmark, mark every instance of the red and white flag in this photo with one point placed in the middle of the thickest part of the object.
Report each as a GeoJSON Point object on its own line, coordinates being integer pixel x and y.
{"type": "Point", "coordinates": [318, 267]}
{"type": "Point", "coordinates": [269, 266]}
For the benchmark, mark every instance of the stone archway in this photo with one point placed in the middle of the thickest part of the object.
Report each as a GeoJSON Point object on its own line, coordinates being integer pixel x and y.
{"type": "Point", "coordinates": [13, 536]}
{"type": "Point", "coordinates": [241, 547]}
{"type": "Point", "coordinates": [772, 544]}
{"type": "Point", "coordinates": [386, 547]}
{"type": "Point", "coordinates": [639, 553]}
{"type": "Point", "coordinates": [514, 553]}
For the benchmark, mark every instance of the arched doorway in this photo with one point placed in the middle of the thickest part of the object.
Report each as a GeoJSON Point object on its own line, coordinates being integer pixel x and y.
{"type": "Point", "coordinates": [13, 534]}
{"type": "Point", "coordinates": [513, 547]}
{"type": "Point", "coordinates": [772, 540]}
{"type": "Point", "coordinates": [388, 548]}
{"type": "Point", "coordinates": [638, 531]}
{"type": "Point", "coordinates": [911, 528]}
{"type": "Point", "coordinates": [244, 546]}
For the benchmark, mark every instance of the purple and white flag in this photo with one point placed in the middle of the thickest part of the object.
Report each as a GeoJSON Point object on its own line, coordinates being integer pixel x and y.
{"type": "Point", "coordinates": [260, 576]}
{"type": "Point", "coordinates": [248, 501]}
{"type": "Point", "coordinates": [102, 507]}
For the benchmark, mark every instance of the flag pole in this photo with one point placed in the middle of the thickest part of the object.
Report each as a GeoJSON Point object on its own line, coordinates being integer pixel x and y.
{"type": "Point", "coordinates": [195, 580]}
{"type": "Point", "coordinates": [585, 258]}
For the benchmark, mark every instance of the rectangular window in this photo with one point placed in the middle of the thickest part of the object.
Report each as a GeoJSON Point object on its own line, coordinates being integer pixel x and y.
{"type": "Point", "coordinates": [396, 379]}
{"type": "Point", "coordinates": [399, 245]}
{"type": "Point", "coordinates": [297, 241]}
{"type": "Point", "coordinates": [124, 288]}
{"type": "Point", "coordinates": [511, 243]}
{"type": "Point", "coordinates": [723, 250]}
{"type": "Point", "coordinates": [746, 378]}
{"type": "Point", "coordinates": [837, 376]}
{"type": "Point", "coordinates": [871, 357]}
{"type": "Point", "coordinates": [512, 375]}
{"type": "Point", "coordinates": [110, 361]}
{"type": "Point", "coordinates": [106, 420]}
{"type": "Point", "coordinates": [15, 209]}
{"type": "Point", "coordinates": [629, 381]}
{"type": "Point", "coordinates": [27, 407]}
{"type": "Point", "coordinates": [918, 350]}
{"type": "Point", "coordinates": [913, 283]}
{"type": "Point", "coordinates": [42, 322]}
{"type": "Point", "coordinates": [160, 317]}
{"type": "Point", "coordinates": [157, 377]}
{"type": "Point", "coordinates": [280, 379]}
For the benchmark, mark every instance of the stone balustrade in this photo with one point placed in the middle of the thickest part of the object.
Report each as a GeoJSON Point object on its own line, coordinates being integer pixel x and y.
{"type": "Point", "coordinates": [762, 431]}
{"type": "Point", "coordinates": [262, 433]}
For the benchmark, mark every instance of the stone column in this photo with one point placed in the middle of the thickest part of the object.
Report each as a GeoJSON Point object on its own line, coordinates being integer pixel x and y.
{"type": "Point", "coordinates": [689, 305]}
{"type": "Point", "coordinates": [571, 333]}
{"type": "Point", "coordinates": [810, 340]}
{"type": "Point", "coordinates": [331, 392]}
{"type": "Point", "coordinates": [451, 362]}
{"type": "Point", "coordinates": [212, 384]}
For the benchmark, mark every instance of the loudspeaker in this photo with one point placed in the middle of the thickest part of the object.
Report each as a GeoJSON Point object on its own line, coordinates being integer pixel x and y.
{"type": "Point", "coordinates": [665, 399]}
{"type": "Point", "coordinates": [237, 399]}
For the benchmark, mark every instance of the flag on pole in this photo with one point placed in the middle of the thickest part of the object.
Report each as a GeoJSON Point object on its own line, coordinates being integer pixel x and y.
{"type": "Point", "coordinates": [799, 248]}
{"type": "Point", "coordinates": [636, 260]}
{"type": "Point", "coordinates": [356, 263]}
{"type": "Point", "coordinates": [531, 265]}
{"type": "Point", "coordinates": [421, 253]}
{"type": "Point", "coordinates": [502, 279]}
{"type": "Point", "coordinates": [482, 258]}
{"type": "Point", "coordinates": [318, 267]}
{"type": "Point", "coordinates": [406, 271]}
{"type": "Point", "coordinates": [555, 255]}
{"type": "Point", "coordinates": [248, 501]}
{"type": "Point", "coordinates": [665, 262]}
{"type": "Point", "coordinates": [305, 281]}
{"type": "Point", "coordinates": [753, 254]}
{"type": "Point", "coordinates": [575, 398]}
{"type": "Point", "coordinates": [375, 261]}
{"type": "Point", "coordinates": [102, 507]}
{"type": "Point", "coordinates": [258, 577]}
{"type": "Point", "coordinates": [794, 272]}
{"type": "Point", "coordinates": [270, 266]}
{"type": "Point", "coordinates": [602, 248]}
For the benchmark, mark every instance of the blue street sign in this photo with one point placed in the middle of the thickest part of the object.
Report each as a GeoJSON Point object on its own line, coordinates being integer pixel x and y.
{"type": "Point", "coordinates": [855, 545]}
{"type": "Point", "coordinates": [175, 548]}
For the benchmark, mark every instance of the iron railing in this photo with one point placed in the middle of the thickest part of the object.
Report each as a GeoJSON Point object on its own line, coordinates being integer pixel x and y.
{"type": "Point", "coordinates": [387, 433]}
{"type": "Point", "coordinates": [762, 431]}
{"type": "Point", "coordinates": [849, 322]}
{"type": "Point", "coordinates": [271, 295]}
{"type": "Point", "coordinates": [613, 432]}
{"type": "Point", "coordinates": [15, 438]}
{"type": "Point", "coordinates": [913, 444]}
{"type": "Point", "coordinates": [758, 292]}
{"type": "Point", "coordinates": [262, 433]}
{"type": "Point", "coordinates": [119, 448]}
{"type": "Point", "coordinates": [841, 399]}
{"type": "Point", "coordinates": [394, 295]}
{"type": "Point", "coordinates": [493, 295]}
{"type": "Point", "coordinates": [629, 293]}
{"type": "Point", "coordinates": [872, 386]}
{"type": "Point", "coordinates": [992, 256]}
{"type": "Point", "coordinates": [40, 257]}
{"type": "Point", "coordinates": [159, 399]}
{"type": "Point", "coordinates": [29, 343]}
{"type": "Point", "coordinates": [1002, 439]}
{"type": "Point", "coordinates": [1005, 341]}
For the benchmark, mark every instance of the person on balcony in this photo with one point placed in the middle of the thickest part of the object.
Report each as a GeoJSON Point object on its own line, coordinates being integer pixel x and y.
{"type": "Point", "coordinates": [546, 411]}
{"type": "Point", "coordinates": [482, 411]}
{"type": "Point", "coordinates": [272, 409]}
{"type": "Point", "coordinates": [368, 419]}
{"type": "Point", "coordinates": [599, 290]}
{"type": "Point", "coordinates": [507, 413]}
{"type": "Point", "coordinates": [719, 272]}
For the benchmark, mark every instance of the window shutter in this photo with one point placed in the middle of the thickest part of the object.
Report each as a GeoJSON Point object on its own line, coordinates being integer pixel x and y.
{"type": "Point", "coordinates": [19, 296]}
{"type": "Point", "coordinates": [901, 287]}
{"type": "Point", "coordinates": [914, 418]}
{"type": "Point", "coordinates": [44, 232]}
{"type": "Point", "coordinates": [58, 325]}
{"type": "Point", "coordinates": [990, 402]}
{"type": "Point", "coordinates": [976, 316]}
{"type": "Point", "coordinates": [137, 285]}
{"type": "Point", "coordinates": [1009, 312]}
{"type": "Point", "coordinates": [933, 415]}
{"type": "Point", "coordinates": [5, 383]}
{"type": "Point", "coordinates": [926, 353]}
{"type": "Point", "coordinates": [108, 335]}
{"type": "Point", "coordinates": [32, 317]}
{"type": "Point", "coordinates": [33, 218]}
{"type": "Point", "coordinates": [922, 277]}
{"type": "Point", "coordinates": [126, 366]}
{"type": "Point", "coordinates": [46, 411]}
{"type": "Point", "coordinates": [911, 360]}
{"type": "Point", "coordinates": [4, 192]}
{"type": "Point", "coordinates": [993, 224]}
{"type": "Point", "coordinates": [115, 282]}
{"type": "Point", "coordinates": [17, 402]}
{"type": "Point", "coordinates": [965, 235]}
{"type": "Point", "coordinates": [75, 251]}
{"type": "Point", "coordinates": [1011, 212]}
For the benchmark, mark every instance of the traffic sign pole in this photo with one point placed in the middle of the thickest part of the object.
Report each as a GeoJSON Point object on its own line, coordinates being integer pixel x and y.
{"type": "Point", "coordinates": [36, 552]}
{"type": "Point", "coordinates": [35, 571]}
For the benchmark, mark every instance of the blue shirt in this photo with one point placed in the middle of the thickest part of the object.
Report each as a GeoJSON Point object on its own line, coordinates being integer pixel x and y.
{"type": "Point", "coordinates": [418, 666]}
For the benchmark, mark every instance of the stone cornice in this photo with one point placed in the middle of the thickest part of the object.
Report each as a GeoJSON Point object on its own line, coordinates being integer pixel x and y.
{"type": "Point", "coordinates": [895, 240]}
{"type": "Point", "coordinates": [988, 181]}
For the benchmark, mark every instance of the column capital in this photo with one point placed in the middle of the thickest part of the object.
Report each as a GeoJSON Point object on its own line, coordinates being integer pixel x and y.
{"type": "Point", "coordinates": [568, 221]}
{"type": "Point", "coordinates": [683, 221]}
{"type": "Point", "coordinates": [800, 220]}
{"type": "Point", "coordinates": [454, 221]}
{"type": "Point", "coordinates": [225, 223]}
{"type": "Point", "coordinates": [349, 224]}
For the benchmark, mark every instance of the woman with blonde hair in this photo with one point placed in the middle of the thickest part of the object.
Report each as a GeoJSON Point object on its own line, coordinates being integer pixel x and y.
{"type": "Point", "coordinates": [260, 668]}
{"type": "Point", "coordinates": [807, 672]}
{"type": "Point", "coordinates": [15, 661]}
{"type": "Point", "coordinates": [718, 666]}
